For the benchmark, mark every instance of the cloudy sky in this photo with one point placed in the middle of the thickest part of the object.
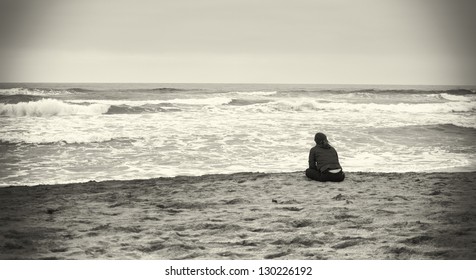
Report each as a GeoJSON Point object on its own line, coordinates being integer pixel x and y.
{"type": "Point", "coordinates": [239, 41]}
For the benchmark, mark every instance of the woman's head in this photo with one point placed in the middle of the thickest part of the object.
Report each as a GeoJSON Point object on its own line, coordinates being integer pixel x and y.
{"type": "Point", "coordinates": [321, 140]}
{"type": "Point", "coordinates": [320, 137]}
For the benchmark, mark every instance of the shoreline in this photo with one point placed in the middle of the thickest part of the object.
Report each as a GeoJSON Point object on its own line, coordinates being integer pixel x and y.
{"type": "Point", "coordinates": [383, 173]}
{"type": "Point", "coordinates": [244, 216]}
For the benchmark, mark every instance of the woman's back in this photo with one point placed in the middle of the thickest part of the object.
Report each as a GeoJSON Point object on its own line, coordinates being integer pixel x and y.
{"type": "Point", "coordinates": [324, 162]}
{"type": "Point", "coordinates": [325, 158]}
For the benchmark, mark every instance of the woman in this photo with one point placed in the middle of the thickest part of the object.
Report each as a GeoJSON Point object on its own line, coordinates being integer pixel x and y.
{"type": "Point", "coordinates": [324, 161]}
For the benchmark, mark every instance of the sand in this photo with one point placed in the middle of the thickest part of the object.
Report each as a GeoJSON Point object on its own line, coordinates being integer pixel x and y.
{"type": "Point", "coordinates": [244, 216]}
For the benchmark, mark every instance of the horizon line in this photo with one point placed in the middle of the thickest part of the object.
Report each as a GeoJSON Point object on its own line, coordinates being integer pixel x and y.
{"type": "Point", "coordinates": [246, 83]}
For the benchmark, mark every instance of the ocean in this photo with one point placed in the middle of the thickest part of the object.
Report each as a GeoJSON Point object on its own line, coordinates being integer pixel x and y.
{"type": "Point", "coordinates": [61, 133]}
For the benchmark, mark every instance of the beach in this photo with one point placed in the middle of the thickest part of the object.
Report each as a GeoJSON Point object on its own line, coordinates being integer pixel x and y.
{"type": "Point", "coordinates": [244, 216]}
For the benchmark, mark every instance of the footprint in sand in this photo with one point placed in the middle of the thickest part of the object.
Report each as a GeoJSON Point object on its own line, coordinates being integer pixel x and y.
{"type": "Point", "coordinates": [417, 239]}
{"type": "Point", "coordinates": [349, 243]}
{"type": "Point", "coordinates": [276, 255]}
{"type": "Point", "coordinates": [297, 209]}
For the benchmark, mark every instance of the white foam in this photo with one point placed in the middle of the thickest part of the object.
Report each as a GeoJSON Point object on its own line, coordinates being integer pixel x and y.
{"type": "Point", "coordinates": [453, 97]}
{"type": "Point", "coordinates": [360, 95]}
{"type": "Point", "coordinates": [50, 107]}
{"type": "Point", "coordinates": [201, 101]}
{"type": "Point", "coordinates": [305, 105]}
{"type": "Point", "coordinates": [254, 93]}
{"type": "Point", "coordinates": [213, 101]}
{"type": "Point", "coordinates": [65, 138]}
{"type": "Point", "coordinates": [33, 91]}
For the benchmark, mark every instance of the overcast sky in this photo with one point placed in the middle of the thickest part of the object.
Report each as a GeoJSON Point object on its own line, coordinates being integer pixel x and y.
{"type": "Point", "coordinates": [239, 41]}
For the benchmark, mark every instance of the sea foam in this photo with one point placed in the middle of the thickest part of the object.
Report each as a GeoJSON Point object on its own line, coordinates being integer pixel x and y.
{"type": "Point", "coordinates": [50, 107]}
{"type": "Point", "coordinates": [452, 97]}
{"type": "Point", "coordinates": [34, 91]}
{"type": "Point", "coordinates": [309, 105]}
{"type": "Point", "coordinates": [254, 93]}
{"type": "Point", "coordinates": [212, 101]}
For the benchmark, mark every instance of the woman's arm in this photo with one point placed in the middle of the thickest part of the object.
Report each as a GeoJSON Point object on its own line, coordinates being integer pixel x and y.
{"type": "Point", "coordinates": [312, 160]}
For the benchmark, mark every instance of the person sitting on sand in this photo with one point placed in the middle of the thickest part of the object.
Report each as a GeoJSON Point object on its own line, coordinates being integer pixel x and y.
{"type": "Point", "coordinates": [324, 161]}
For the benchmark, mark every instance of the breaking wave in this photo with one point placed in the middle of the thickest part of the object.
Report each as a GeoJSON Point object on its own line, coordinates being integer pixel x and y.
{"type": "Point", "coordinates": [213, 101]}
{"type": "Point", "coordinates": [254, 93]}
{"type": "Point", "coordinates": [307, 105]}
{"type": "Point", "coordinates": [413, 91]}
{"type": "Point", "coordinates": [50, 107]}
{"type": "Point", "coordinates": [453, 97]}
{"type": "Point", "coordinates": [37, 91]}
{"type": "Point", "coordinates": [53, 107]}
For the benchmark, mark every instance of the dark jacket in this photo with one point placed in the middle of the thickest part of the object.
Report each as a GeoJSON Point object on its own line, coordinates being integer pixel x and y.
{"type": "Point", "coordinates": [323, 158]}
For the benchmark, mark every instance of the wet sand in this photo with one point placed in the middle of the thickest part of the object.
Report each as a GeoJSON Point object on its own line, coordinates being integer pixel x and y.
{"type": "Point", "coordinates": [244, 216]}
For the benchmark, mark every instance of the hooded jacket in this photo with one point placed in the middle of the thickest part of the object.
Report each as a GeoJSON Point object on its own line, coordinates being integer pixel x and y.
{"type": "Point", "coordinates": [323, 158]}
